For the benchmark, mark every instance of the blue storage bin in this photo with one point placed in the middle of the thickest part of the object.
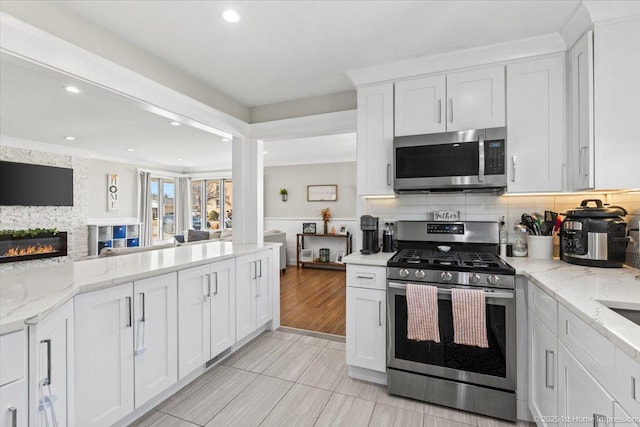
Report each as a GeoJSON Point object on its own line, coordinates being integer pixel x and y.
{"type": "Point", "coordinates": [119, 231]}
{"type": "Point", "coordinates": [132, 243]}
{"type": "Point", "coordinates": [105, 244]}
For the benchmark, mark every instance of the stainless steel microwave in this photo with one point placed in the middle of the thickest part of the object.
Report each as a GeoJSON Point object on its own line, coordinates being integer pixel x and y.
{"type": "Point", "coordinates": [473, 160]}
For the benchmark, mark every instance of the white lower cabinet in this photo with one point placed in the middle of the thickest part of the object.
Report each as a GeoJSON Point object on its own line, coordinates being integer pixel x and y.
{"type": "Point", "coordinates": [104, 355]}
{"type": "Point", "coordinates": [156, 336]}
{"type": "Point", "coordinates": [543, 391]}
{"type": "Point", "coordinates": [366, 328]}
{"type": "Point", "coordinates": [13, 404]}
{"type": "Point", "coordinates": [126, 348]}
{"type": "Point", "coordinates": [51, 369]}
{"type": "Point", "coordinates": [253, 292]}
{"type": "Point", "coordinates": [206, 313]}
{"type": "Point", "coordinates": [582, 400]}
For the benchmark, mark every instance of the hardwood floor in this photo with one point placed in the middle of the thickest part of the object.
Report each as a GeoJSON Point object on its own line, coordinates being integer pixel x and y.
{"type": "Point", "coordinates": [314, 300]}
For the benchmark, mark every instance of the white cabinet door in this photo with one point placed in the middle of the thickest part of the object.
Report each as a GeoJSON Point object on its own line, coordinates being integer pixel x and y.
{"type": "Point", "coordinates": [375, 140]}
{"type": "Point", "coordinates": [535, 125]}
{"type": "Point", "coordinates": [581, 148]}
{"type": "Point", "coordinates": [156, 336]}
{"type": "Point", "coordinates": [622, 418]}
{"type": "Point", "coordinates": [580, 395]}
{"type": "Point", "coordinates": [366, 328]}
{"type": "Point", "coordinates": [13, 404]}
{"type": "Point", "coordinates": [223, 306]}
{"type": "Point", "coordinates": [543, 353]}
{"type": "Point", "coordinates": [104, 356]}
{"type": "Point", "coordinates": [263, 288]}
{"type": "Point", "coordinates": [419, 106]}
{"type": "Point", "coordinates": [52, 368]}
{"type": "Point", "coordinates": [194, 319]}
{"type": "Point", "coordinates": [476, 99]}
{"type": "Point", "coordinates": [245, 295]}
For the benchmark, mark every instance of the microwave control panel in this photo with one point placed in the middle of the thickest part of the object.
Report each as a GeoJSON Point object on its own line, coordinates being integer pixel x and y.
{"type": "Point", "coordinates": [494, 157]}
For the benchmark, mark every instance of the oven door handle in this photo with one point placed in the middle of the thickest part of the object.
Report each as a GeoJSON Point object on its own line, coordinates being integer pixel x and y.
{"type": "Point", "coordinates": [447, 291]}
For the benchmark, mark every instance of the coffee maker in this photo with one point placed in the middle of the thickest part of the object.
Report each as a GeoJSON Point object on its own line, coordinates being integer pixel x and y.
{"type": "Point", "coordinates": [369, 227]}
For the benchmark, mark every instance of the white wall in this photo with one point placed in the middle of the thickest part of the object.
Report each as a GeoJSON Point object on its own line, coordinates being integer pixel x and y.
{"type": "Point", "coordinates": [127, 189]}
{"type": "Point", "coordinates": [72, 219]}
{"type": "Point", "coordinates": [288, 216]}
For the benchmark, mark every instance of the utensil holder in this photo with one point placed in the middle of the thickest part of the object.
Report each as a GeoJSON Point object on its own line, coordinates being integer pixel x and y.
{"type": "Point", "coordinates": [540, 247]}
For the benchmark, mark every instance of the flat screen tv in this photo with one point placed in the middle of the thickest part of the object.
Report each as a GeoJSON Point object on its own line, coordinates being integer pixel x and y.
{"type": "Point", "coordinates": [23, 184]}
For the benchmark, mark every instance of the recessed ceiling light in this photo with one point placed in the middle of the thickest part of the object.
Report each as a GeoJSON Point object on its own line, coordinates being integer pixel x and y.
{"type": "Point", "coordinates": [225, 139]}
{"type": "Point", "coordinates": [230, 15]}
{"type": "Point", "coordinates": [175, 123]}
{"type": "Point", "coordinates": [265, 152]}
{"type": "Point", "coordinates": [72, 89]}
{"type": "Point", "coordinates": [180, 160]}
{"type": "Point", "coordinates": [70, 138]}
{"type": "Point", "coordinates": [130, 149]}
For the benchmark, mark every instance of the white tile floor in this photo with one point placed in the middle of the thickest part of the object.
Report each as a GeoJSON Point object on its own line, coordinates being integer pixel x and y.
{"type": "Point", "coordinates": [287, 379]}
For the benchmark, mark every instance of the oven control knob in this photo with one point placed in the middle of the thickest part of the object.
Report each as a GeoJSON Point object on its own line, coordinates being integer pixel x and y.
{"type": "Point", "coordinates": [493, 280]}
{"type": "Point", "coordinates": [404, 272]}
{"type": "Point", "coordinates": [446, 276]}
{"type": "Point", "coordinates": [474, 279]}
{"type": "Point", "coordinates": [419, 274]}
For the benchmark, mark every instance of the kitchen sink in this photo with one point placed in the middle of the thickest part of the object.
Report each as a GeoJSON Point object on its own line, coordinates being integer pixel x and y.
{"type": "Point", "coordinates": [627, 311]}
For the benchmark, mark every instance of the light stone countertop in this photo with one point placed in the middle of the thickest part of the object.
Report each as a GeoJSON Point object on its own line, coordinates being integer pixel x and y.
{"type": "Point", "coordinates": [579, 289]}
{"type": "Point", "coordinates": [380, 259]}
{"type": "Point", "coordinates": [27, 296]}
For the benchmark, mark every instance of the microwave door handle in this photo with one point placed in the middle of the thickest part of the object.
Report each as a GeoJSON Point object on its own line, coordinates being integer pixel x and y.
{"type": "Point", "coordinates": [481, 158]}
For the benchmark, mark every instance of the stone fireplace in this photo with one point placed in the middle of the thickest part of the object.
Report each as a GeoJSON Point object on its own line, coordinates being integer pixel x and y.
{"type": "Point", "coordinates": [36, 246]}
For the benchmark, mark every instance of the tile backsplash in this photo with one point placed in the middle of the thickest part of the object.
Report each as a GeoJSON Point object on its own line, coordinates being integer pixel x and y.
{"type": "Point", "coordinates": [489, 207]}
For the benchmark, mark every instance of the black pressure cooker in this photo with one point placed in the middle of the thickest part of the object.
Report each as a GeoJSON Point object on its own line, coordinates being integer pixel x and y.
{"type": "Point", "coordinates": [594, 236]}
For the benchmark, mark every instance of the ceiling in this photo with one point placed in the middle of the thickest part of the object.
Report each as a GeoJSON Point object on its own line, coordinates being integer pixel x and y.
{"type": "Point", "coordinates": [286, 50]}
{"type": "Point", "coordinates": [279, 51]}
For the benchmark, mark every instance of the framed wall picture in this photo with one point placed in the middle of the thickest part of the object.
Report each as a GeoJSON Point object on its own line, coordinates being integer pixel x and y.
{"type": "Point", "coordinates": [306, 255]}
{"type": "Point", "coordinates": [343, 230]}
{"type": "Point", "coordinates": [309, 227]}
{"type": "Point", "coordinates": [339, 256]}
{"type": "Point", "coordinates": [322, 193]}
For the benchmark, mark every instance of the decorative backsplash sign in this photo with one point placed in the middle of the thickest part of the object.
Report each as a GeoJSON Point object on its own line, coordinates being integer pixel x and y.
{"type": "Point", "coordinates": [446, 215]}
{"type": "Point", "coordinates": [112, 192]}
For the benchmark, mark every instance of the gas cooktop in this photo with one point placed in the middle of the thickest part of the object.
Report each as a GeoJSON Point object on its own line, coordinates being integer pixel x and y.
{"type": "Point", "coordinates": [455, 260]}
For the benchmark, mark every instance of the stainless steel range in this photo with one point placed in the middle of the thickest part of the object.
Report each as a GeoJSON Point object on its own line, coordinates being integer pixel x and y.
{"type": "Point", "coordinates": [452, 255]}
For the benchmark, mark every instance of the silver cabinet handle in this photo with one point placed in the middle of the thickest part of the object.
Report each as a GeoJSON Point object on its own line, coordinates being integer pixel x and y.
{"type": "Point", "coordinates": [549, 357]}
{"type": "Point", "coordinates": [582, 160]}
{"type": "Point", "coordinates": [379, 313]}
{"type": "Point", "coordinates": [634, 393]}
{"type": "Point", "coordinates": [365, 277]}
{"type": "Point", "coordinates": [439, 110]}
{"type": "Point", "coordinates": [597, 418]}
{"type": "Point", "coordinates": [260, 264]}
{"type": "Point", "coordinates": [208, 285]}
{"type": "Point", "coordinates": [14, 416]}
{"type": "Point", "coordinates": [451, 110]}
{"type": "Point", "coordinates": [215, 292]}
{"type": "Point", "coordinates": [513, 168]}
{"type": "Point", "coordinates": [388, 173]}
{"type": "Point", "coordinates": [143, 316]}
{"type": "Point", "coordinates": [481, 159]}
{"type": "Point", "coordinates": [47, 380]}
{"type": "Point", "coordinates": [254, 275]}
{"type": "Point", "coordinates": [130, 308]}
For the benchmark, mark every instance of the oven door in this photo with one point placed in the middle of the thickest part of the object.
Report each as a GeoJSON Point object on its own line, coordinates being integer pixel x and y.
{"type": "Point", "coordinates": [492, 367]}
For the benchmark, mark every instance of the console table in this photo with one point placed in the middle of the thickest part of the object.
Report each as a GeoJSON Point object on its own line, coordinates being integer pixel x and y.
{"type": "Point", "coordinates": [300, 245]}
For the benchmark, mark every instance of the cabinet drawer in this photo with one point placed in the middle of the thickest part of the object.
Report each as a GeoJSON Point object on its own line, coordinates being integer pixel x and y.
{"type": "Point", "coordinates": [591, 349]}
{"type": "Point", "coordinates": [13, 356]}
{"type": "Point", "coordinates": [361, 276]}
{"type": "Point", "coordinates": [544, 306]}
{"type": "Point", "coordinates": [627, 387]}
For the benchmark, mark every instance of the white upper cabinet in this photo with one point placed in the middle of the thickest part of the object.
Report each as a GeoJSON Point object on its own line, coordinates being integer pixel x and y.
{"type": "Point", "coordinates": [375, 140]}
{"type": "Point", "coordinates": [581, 148]}
{"type": "Point", "coordinates": [419, 106]}
{"type": "Point", "coordinates": [535, 125]}
{"type": "Point", "coordinates": [476, 99]}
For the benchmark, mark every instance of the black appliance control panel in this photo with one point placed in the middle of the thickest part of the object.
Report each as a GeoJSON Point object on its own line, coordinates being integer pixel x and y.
{"type": "Point", "coordinates": [494, 155]}
{"type": "Point", "coordinates": [445, 228]}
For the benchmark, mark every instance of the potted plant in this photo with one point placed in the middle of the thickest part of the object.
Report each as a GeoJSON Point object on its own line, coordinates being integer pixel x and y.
{"type": "Point", "coordinates": [284, 193]}
{"type": "Point", "coordinates": [326, 217]}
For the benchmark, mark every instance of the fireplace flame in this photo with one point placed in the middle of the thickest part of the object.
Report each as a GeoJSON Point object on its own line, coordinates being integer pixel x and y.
{"type": "Point", "coordinates": [29, 250]}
